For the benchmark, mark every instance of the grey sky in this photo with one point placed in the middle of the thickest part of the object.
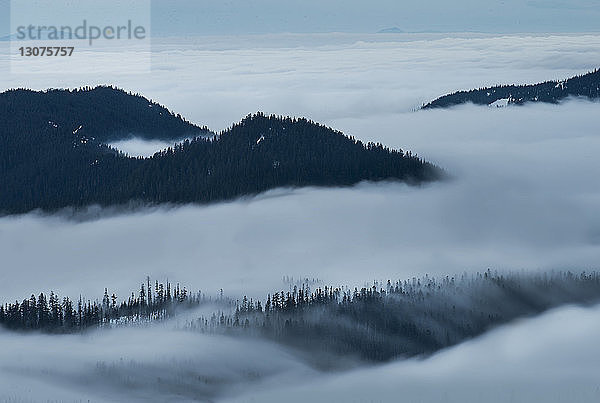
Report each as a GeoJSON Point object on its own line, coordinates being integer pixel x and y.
{"type": "Point", "coordinates": [269, 16]}
{"type": "Point", "coordinates": [176, 17]}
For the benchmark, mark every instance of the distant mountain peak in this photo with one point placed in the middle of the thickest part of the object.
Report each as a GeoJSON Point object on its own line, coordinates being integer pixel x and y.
{"type": "Point", "coordinates": [392, 30]}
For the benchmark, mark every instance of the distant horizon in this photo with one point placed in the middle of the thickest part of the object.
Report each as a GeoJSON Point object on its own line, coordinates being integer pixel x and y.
{"type": "Point", "coordinates": [190, 17]}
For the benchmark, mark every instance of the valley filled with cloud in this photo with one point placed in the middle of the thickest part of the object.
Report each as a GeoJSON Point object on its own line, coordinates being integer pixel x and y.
{"type": "Point", "coordinates": [522, 196]}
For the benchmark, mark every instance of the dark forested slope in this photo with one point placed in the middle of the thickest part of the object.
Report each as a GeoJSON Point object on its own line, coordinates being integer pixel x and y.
{"type": "Point", "coordinates": [47, 161]}
{"type": "Point", "coordinates": [406, 318]}
{"type": "Point", "coordinates": [402, 319]}
{"type": "Point", "coordinates": [102, 113]}
{"type": "Point", "coordinates": [587, 85]}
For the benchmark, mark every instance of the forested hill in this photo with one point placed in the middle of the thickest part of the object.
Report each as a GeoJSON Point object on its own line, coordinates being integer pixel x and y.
{"type": "Point", "coordinates": [102, 113]}
{"type": "Point", "coordinates": [48, 165]}
{"type": "Point", "coordinates": [414, 317]}
{"type": "Point", "coordinates": [587, 85]}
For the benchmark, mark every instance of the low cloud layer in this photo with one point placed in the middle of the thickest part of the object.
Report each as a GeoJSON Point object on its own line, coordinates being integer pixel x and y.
{"type": "Point", "coordinates": [216, 80]}
{"type": "Point", "coordinates": [524, 196]}
{"type": "Point", "coordinates": [137, 147]}
{"type": "Point", "coordinates": [553, 358]}
{"type": "Point", "coordinates": [148, 363]}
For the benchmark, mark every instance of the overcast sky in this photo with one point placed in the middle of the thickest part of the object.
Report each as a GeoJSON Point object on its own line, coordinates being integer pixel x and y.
{"type": "Point", "coordinates": [175, 17]}
{"type": "Point", "coordinates": [261, 16]}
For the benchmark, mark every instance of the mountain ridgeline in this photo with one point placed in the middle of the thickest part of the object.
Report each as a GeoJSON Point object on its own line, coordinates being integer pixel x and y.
{"type": "Point", "coordinates": [102, 113]}
{"type": "Point", "coordinates": [54, 154]}
{"type": "Point", "coordinates": [587, 85]}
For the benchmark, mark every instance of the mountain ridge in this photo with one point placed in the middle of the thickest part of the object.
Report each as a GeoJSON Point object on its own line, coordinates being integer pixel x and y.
{"type": "Point", "coordinates": [50, 165]}
{"type": "Point", "coordinates": [103, 112]}
{"type": "Point", "coordinates": [585, 85]}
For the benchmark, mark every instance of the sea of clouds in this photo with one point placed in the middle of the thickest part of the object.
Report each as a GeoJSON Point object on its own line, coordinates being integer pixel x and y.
{"type": "Point", "coordinates": [551, 358]}
{"type": "Point", "coordinates": [523, 196]}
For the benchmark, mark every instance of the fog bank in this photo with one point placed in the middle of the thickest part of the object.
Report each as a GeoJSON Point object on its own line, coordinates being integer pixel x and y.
{"type": "Point", "coordinates": [523, 197]}
{"type": "Point", "coordinates": [552, 358]}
